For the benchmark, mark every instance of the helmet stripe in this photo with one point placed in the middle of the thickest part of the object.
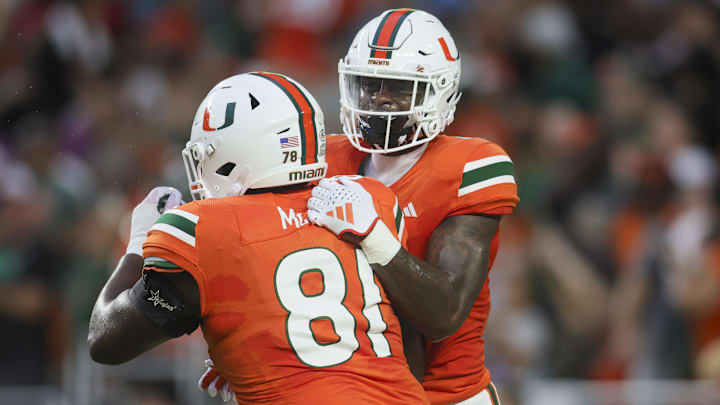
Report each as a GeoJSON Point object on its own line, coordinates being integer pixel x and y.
{"type": "Point", "coordinates": [387, 31]}
{"type": "Point", "coordinates": [306, 115]}
{"type": "Point", "coordinates": [374, 52]}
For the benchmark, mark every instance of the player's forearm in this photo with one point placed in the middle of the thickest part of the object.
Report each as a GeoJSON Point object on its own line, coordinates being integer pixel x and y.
{"type": "Point", "coordinates": [420, 293]}
{"type": "Point", "coordinates": [437, 294]}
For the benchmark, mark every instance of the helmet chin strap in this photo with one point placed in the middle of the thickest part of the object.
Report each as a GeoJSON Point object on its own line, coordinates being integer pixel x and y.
{"type": "Point", "coordinates": [240, 184]}
{"type": "Point", "coordinates": [374, 130]}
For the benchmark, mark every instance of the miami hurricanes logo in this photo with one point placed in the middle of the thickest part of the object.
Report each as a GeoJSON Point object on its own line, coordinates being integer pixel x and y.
{"type": "Point", "coordinates": [229, 118]}
{"type": "Point", "coordinates": [446, 51]}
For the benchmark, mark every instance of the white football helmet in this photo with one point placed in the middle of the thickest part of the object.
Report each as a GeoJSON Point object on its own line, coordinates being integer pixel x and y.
{"type": "Point", "coordinates": [398, 82]}
{"type": "Point", "coordinates": [254, 130]}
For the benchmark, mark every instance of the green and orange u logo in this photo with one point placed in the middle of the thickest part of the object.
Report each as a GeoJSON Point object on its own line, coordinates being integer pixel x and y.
{"type": "Point", "coordinates": [229, 118]}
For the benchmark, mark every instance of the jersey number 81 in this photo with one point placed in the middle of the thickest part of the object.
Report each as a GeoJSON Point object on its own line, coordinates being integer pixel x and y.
{"type": "Point", "coordinates": [328, 304]}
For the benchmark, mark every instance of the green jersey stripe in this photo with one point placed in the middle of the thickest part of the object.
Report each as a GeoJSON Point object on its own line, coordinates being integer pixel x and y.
{"type": "Point", "coordinates": [178, 222]}
{"type": "Point", "coordinates": [486, 173]}
{"type": "Point", "coordinates": [398, 217]}
{"type": "Point", "coordinates": [493, 394]}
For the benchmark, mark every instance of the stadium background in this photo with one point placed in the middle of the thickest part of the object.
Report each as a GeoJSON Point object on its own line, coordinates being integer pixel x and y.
{"type": "Point", "coordinates": [607, 286]}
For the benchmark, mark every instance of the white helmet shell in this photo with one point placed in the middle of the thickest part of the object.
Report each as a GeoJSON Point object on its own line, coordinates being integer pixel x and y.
{"type": "Point", "coordinates": [254, 130]}
{"type": "Point", "coordinates": [403, 44]}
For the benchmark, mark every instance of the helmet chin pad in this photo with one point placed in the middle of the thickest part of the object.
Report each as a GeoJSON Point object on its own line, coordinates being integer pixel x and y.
{"type": "Point", "coordinates": [374, 129]}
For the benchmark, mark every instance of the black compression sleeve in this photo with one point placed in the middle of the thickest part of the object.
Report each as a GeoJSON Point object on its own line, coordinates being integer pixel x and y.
{"type": "Point", "coordinates": [159, 298]}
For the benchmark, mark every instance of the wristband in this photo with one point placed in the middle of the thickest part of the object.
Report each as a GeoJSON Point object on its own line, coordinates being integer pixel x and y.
{"type": "Point", "coordinates": [380, 246]}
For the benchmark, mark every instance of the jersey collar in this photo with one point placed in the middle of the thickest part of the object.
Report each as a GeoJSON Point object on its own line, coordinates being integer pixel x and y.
{"type": "Point", "coordinates": [389, 169]}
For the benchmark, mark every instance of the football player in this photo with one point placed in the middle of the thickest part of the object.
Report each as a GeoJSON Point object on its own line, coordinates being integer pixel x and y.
{"type": "Point", "coordinates": [399, 85]}
{"type": "Point", "coordinates": [291, 314]}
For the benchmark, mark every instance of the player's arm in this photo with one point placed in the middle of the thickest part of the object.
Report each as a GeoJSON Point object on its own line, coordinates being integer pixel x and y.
{"type": "Point", "coordinates": [436, 295]}
{"type": "Point", "coordinates": [120, 330]}
{"type": "Point", "coordinates": [121, 325]}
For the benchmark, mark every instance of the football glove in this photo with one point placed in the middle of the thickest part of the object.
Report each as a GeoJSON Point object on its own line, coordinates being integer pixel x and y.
{"type": "Point", "coordinates": [214, 383]}
{"type": "Point", "coordinates": [159, 200]}
{"type": "Point", "coordinates": [344, 207]}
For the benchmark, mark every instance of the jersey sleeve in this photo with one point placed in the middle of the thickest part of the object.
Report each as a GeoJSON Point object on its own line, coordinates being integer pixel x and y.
{"type": "Point", "coordinates": [487, 184]}
{"type": "Point", "coordinates": [388, 208]}
{"type": "Point", "coordinates": [170, 246]}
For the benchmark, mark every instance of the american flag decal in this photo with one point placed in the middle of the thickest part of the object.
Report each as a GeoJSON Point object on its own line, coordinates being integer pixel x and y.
{"type": "Point", "coordinates": [289, 142]}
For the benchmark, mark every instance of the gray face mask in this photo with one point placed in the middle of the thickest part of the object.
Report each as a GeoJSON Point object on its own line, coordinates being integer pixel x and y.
{"type": "Point", "coordinates": [374, 128]}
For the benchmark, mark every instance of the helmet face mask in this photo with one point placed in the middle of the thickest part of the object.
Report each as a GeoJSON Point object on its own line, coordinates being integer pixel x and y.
{"type": "Point", "coordinates": [255, 130]}
{"type": "Point", "coordinates": [375, 100]}
{"type": "Point", "coordinates": [400, 93]}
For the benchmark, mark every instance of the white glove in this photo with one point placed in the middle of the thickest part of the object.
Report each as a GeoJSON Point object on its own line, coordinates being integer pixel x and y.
{"type": "Point", "coordinates": [159, 200]}
{"type": "Point", "coordinates": [344, 207]}
{"type": "Point", "coordinates": [213, 382]}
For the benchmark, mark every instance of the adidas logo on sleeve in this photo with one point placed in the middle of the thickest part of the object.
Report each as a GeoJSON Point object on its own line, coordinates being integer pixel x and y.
{"type": "Point", "coordinates": [409, 211]}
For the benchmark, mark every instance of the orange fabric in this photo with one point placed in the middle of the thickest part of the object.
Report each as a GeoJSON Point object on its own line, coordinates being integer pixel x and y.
{"type": "Point", "coordinates": [340, 156]}
{"type": "Point", "coordinates": [628, 231]}
{"type": "Point", "coordinates": [241, 245]}
{"type": "Point", "coordinates": [707, 329]}
{"type": "Point", "coordinates": [455, 366]}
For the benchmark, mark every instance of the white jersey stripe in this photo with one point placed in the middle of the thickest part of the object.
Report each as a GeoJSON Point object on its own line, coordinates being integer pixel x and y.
{"type": "Point", "coordinates": [484, 184]}
{"type": "Point", "coordinates": [372, 297]}
{"type": "Point", "coordinates": [412, 210]}
{"type": "Point", "coordinates": [190, 217]}
{"type": "Point", "coordinates": [173, 231]}
{"type": "Point", "coordinates": [485, 162]}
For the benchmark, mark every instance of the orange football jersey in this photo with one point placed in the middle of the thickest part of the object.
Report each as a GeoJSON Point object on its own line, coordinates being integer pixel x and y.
{"type": "Point", "coordinates": [291, 314]}
{"type": "Point", "coordinates": [454, 176]}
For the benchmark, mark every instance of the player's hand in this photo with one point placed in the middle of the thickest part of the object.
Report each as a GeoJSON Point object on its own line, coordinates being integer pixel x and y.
{"type": "Point", "coordinates": [213, 382]}
{"type": "Point", "coordinates": [159, 200]}
{"type": "Point", "coordinates": [344, 207]}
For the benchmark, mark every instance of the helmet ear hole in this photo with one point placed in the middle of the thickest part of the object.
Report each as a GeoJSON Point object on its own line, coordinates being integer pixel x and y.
{"type": "Point", "coordinates": [225, 169]}
{"type": "Point", "coordinates": [443, 81]}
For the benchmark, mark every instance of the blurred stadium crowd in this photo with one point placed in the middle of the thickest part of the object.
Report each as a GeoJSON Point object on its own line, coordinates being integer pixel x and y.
{"type": "Point", "coordinates": [608, 270]}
